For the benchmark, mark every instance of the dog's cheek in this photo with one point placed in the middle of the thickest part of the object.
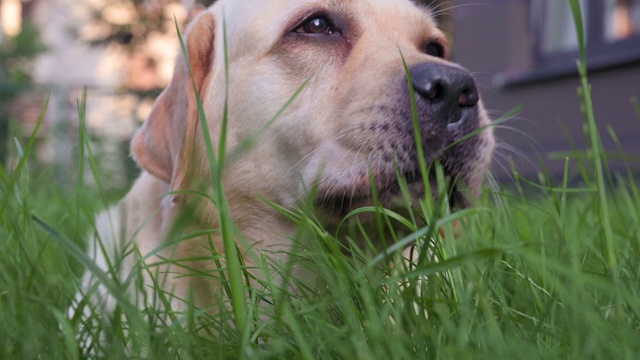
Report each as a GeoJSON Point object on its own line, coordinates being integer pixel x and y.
{"type": "Point", "coordinates": [301, 60]}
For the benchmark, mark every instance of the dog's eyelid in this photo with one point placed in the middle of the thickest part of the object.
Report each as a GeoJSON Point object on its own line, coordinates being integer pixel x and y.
{"type": "Point", "coordinates": [334, 20]}
{"type": "Point", "coordinates": [436, 48]}
{"type": "Point", "coordinates": [317, 23]}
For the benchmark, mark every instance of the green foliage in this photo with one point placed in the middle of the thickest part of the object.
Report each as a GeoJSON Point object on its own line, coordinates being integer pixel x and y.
{"type": "Point", "coordinates": [15, 56]}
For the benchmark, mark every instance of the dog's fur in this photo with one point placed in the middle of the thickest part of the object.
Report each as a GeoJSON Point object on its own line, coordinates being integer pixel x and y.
{"type": "Point", "coordinates": [353, 118]}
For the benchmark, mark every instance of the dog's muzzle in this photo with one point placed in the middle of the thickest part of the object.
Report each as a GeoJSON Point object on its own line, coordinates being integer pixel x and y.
{"type": "Point", "coordinates": [448, 112]}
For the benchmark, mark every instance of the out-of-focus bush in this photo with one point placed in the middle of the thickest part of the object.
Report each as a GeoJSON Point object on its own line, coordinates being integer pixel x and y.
{"type": "Point", "coordinates": [15, 68]}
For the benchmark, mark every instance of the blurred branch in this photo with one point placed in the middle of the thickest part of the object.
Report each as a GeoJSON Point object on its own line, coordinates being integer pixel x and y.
{"type": "Point", "coordinates": [135, 28]}
{"type": "Point", "coordinates": [129, 22]}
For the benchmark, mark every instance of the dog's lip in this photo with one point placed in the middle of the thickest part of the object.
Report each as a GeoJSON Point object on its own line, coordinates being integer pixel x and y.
{"type": "Point", "coordinates": [345, 184]}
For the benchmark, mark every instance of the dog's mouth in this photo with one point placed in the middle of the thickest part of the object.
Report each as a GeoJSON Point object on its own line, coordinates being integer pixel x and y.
{"type": "Point", "coordinates": [394, 192]}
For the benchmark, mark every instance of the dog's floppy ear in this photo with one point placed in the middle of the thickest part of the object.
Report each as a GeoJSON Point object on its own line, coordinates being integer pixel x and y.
{"type": "Point", "coordinates": [162, 146]}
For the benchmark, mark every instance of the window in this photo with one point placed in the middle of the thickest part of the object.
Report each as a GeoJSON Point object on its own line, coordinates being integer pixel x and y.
{"type": "Point", "coordinates": [612, 29]}
{"type": "Point", "coordinates": [622, 19]}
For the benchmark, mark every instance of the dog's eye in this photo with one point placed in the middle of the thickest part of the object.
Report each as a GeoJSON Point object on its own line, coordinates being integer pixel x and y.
{"type": "Point", "coordinates": [317, 25]}
{"type": "Point", "coordinates": [434, 49]}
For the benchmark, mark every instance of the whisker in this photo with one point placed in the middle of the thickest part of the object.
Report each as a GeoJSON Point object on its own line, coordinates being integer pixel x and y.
{"type": "Point", "coordinates": [494, 186]}
{"type": "Point", "coordinates": [437, 9]}
{"type": "Point", "coordinates": [320, 147]}
{"type": "Point", "coordinates": [501, 161]}
{"type": "Point", "coordinates": [518, 131]}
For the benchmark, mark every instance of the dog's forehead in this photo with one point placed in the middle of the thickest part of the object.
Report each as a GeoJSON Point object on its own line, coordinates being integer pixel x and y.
{"type": "Point", "coordinates": [269, 16]}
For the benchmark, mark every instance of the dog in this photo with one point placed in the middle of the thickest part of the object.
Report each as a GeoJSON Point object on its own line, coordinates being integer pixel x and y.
{"type": "Point", "coordinates": [336, 73]}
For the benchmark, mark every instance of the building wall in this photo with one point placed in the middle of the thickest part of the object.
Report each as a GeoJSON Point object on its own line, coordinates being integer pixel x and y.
{"type": "Point", "coordinates": [492, 39]}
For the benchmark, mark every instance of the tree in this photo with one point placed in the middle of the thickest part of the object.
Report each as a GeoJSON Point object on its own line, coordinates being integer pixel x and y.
{"type": "Point", "coordinates": [128, 25]}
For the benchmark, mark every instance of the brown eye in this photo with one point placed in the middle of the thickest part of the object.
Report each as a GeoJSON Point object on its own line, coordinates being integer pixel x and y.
{"type": "Point", "coordinates": [434, 49]}
{"type": "Point", "coordinates": [317, 25]}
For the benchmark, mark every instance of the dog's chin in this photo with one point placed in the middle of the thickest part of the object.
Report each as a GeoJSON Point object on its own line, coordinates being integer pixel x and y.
{"type": "Point", "coordinates": [336, 203]}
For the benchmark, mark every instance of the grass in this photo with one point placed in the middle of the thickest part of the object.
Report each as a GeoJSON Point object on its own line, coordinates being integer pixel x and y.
{"type": "Point", "coordinates": [542, 270]}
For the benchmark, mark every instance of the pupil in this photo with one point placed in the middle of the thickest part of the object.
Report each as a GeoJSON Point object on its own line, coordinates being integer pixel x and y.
{"type": "Point", "coordinates": [318, 25]}
{"type": "Point", "coordinates": [434, 50]}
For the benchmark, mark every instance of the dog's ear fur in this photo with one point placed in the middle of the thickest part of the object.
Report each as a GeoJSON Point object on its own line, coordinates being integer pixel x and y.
{"type": "Point", "coordinates": [162, 146]}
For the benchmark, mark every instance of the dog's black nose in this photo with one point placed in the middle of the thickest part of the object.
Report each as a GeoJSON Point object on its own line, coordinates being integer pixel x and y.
{"type": "Point", "coordinates": [448, 90]}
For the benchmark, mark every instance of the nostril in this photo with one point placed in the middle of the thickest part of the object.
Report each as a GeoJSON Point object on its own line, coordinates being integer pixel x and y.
{"type": "Point", "coordinates": [434, 91]}
{"type": "Point", "coordinates": [468, 97]}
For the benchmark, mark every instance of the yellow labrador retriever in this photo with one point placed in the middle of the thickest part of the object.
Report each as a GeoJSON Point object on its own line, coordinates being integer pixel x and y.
{"type": "Point", "coordinates": [351, 122]}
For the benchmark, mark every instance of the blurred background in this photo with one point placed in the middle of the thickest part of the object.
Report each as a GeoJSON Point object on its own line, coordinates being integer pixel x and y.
{"type": "Point", "coordinates": [121, 51]}
{"type": "Point", "coordinates": [522, 52]}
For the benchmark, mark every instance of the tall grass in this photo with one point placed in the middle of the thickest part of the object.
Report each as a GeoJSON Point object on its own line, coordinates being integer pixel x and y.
{"type": "Point", "coordinates": [551, 272]}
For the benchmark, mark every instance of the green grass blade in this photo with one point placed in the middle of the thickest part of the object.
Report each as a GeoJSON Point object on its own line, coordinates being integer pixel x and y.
{"type": "Point", "coordinates": [596, 142]}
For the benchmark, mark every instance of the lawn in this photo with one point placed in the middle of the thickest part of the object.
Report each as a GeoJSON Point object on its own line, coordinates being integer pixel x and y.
{"type": "Point", "coordinates": [542, 268]}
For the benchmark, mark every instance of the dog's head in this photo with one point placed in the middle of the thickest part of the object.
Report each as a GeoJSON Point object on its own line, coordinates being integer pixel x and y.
{"type": "Point", "coordinates": [351, 122]}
